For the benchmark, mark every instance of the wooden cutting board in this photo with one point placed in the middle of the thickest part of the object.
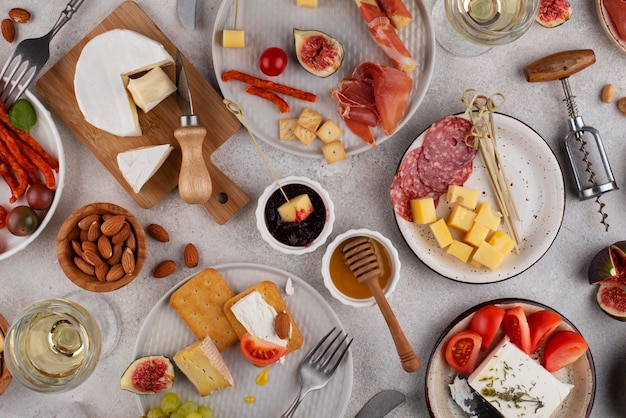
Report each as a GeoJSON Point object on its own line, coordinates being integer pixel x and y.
{"type": "Point", "coordinates": [56, 87]}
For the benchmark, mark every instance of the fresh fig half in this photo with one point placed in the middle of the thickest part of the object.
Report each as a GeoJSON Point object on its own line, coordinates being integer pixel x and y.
{"type": "Point", "coordinates": [553, 13]}
{"type": "Point", "coordinates": [612, 300]}
{"type": "Point", "coordinates": [318, 53]}
{"type": "Point", "coordinates": [148, 375]}
{"type": "Point", "coordinates": [609, 265]}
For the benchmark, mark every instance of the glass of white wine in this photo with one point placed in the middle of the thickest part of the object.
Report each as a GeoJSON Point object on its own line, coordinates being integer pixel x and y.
{"type": "Point", "coordinates": [53, 345]}
{"type": "Point", "coordinates": [473, 27]}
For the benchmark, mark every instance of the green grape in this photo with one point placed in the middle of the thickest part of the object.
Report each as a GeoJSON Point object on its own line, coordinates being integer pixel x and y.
{"type": "Point", "coordinates": [205, 412]}
{"type": "Point", "coordinates": [177, 415]}
{"type": "Point", "coordinates": [194, 415]}
{"type": "Point", "coordinates": [187, 408]}
{"type": "Point", "coordinates": [155, 413]}
{"type": "Point", "coordinates": [170, 403]}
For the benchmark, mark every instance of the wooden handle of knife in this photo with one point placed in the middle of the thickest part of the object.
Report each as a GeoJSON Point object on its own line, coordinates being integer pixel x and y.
{"type": "Point", "coordinates": [559, 65]}
{"type": "Point", "coordinates": [194, 181]}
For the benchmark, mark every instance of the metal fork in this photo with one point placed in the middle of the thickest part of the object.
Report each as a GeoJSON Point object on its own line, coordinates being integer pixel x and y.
{"type": "Point", "coordinates": [319, 365]}
{"type": "Point", "coordinates": [29, 57]}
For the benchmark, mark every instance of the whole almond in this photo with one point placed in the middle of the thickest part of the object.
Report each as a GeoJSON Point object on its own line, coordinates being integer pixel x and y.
{"type": "Point", "coordinates": [76, 246]}
{"type": "Point", "coordinates": [84, 266]}
{"type": "Point", "coordinates": [131, 242]}
{"type": "Point", "coordinates": [128, 260]}
{"type": "Point", "coordinates": [116, 272]}
{"type": "Point", "coordinates": [608, 91]}
{"type": "Point", "coordinates": [105, 249]}
{"type": "Point", "coordinates": [157, 232]}
{"type": "Point", "coordinates": [112, 225]}
{"type": "Point", "coordinates": [282, 325]}
{"type": "Point", "coordinates": [92, 257]}
{"type": "Point", "coordinates": [86, 222]}
{"type": "Point", "coordinates": [621, 105]}
{"type": "Point", "coordinates": [89, 245]}
{"type": "Point", "coordinates": [93, 233]}
{"type": "Point", "coordinates": [19, 15]}
{"type": "Point", "coordinates": [116, 256]}
{"type": "Point", "coordinates": [8, 30]}
{"type": "Point", "coordinates": [164, 269]}
{"type": "Point", "coordinates": [191, 257]}
{"type": "Point", "coordinates": [122, 234]}
{"type": "Point", "coordinates": [102, 270]}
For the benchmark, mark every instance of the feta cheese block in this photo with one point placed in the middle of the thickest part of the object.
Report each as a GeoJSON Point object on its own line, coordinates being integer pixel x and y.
{"type": "Point", "coordinates": [204, 366]}
{"type": "Point", "coordinates": [140, 164]}
{"type": "Point", "coordinates": [102, 74]}
{"type": "Point", "coordinates": [257, 316]}
{"type": "Point", "coordinates": [516, 385]}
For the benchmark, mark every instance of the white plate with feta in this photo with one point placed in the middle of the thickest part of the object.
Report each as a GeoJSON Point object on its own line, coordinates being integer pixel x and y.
{"type": "Point", "coordinates": [45, 132]}
{"type": "Point", "coordinates": [580, 374]}
{"type": "Point", "coordinates": [164, 333]}
{"type": "Point", "coordinates": [536, 182]}
{"type": "Point", "coordinates": [265, 27]}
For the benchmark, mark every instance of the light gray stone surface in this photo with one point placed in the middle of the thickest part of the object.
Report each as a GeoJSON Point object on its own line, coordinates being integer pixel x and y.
{"type": "Point", "coordinates": [424, 302]}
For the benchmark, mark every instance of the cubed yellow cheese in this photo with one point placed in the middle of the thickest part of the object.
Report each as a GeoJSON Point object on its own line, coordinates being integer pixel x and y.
{"type": "Point", "coordinates": [306, 3]}
{"type": "Point", "coordinates": [460, 250]}
{"type": "Point", "coordinates": [423, 210]}
{"type": "Point", "coordinates": [476, 235]}
{"type": "Point", "coordinates": [487, 217]}
{"type": "Point", "coordinates": [441, 232]}
{"type": "Point", "coordinates": [296, 209]}
{"type": "Point", "coordinates": [488, 256]}
{"type": "Point", "coordinates": [461, 218]}
{"type": "Point", "coordinates": [502, 242]}
{"type": "Point", "coordinates": [463, 196]}
{"type": "Point", "coordinates": [233, 39]}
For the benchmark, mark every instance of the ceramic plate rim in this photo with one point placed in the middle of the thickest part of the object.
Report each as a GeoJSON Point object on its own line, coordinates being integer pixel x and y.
{"type": "Point", "coordinates": [42, 115]}
{"type": "Point", "coordinates": [299, 285]}
{"type": "Point", "coordinates": [609, 28]}
{"type": "Point", "coordinates": [444, 264]}
{"type": "Point", "coordinates": [426, 58]}
{"type": "Point", "coordinates": [505, 301]}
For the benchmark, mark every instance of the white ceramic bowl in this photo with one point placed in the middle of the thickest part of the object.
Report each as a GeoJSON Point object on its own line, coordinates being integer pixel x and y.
{"type": "Point", "coordinates": [285, 248]}
{"type": "Point", "coordinates": [394, 260]}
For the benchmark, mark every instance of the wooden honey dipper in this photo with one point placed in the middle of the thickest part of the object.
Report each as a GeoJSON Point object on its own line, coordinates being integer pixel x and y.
{"type": "Point", "coordinates": [361, 259]}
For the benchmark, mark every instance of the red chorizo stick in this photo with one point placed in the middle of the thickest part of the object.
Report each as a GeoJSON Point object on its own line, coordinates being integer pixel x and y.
{"type": "Point", "coordinates": [397, 12]}
{"type": "Point", "coordinates": [10, 180]}
{"type": "Point", "coordinates": [41, 165]}
{"type": "Point", "coordinates": [282, 105]}
{"type": "Point", "coordinates": [268, 85]}
{"type": "Point", "coordinates": [19, 188]}
{"type": "Point", "coordinates": [11, 142]}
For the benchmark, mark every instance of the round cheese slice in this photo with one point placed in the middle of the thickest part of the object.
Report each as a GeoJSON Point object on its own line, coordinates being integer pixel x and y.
{"type": "Point", "coordinates": [102, 74]}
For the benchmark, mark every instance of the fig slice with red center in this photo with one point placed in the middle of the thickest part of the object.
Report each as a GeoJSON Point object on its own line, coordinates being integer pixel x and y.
{"type": "Point", "coordinates": [318, 53]}
{"type": "Point", "coordinates": [612, 300]}
{"type": "Point", "coordinates": [609, 265]}
{"type": "Point", "coordinates": [553, 13]}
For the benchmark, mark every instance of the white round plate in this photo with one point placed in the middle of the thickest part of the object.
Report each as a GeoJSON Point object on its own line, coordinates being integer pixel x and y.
{"type": "Point", "coordinates": [537, 186]}
{"type": "Point", "coordinates": [46, 133]}
{"type": "Point", "coordinates": [271, 24]}
{"type": "Point", "coordinates": [164, 333]}
{"type": "Point", "coordinates": [439, 375]}
{"type": "Point", "coordinates": [609, 28]}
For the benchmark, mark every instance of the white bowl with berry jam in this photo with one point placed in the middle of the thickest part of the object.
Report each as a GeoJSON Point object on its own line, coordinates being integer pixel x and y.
{"type": "Point", "coordinates": [299, 237]}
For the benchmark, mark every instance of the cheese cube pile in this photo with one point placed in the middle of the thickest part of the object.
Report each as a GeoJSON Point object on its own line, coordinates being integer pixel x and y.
{"type": "Point", "coordinates": [307, 127]}
{"type": "Point", "coordinates": [470, 232]}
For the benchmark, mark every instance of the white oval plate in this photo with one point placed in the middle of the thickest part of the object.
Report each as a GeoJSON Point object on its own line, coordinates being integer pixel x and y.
{"type": "Point", "coordinates": [164, 333]}
{"type": "Point", "coordinates": [537, 186]}
{"type": "Point", "coordinates": [609, 28]}
{"type": "Point", "coordinates": [46, 133]}
{"type": "Point", "coordinates": [439, 375]}
{"type": "Point", "coordinates": [271, 25]}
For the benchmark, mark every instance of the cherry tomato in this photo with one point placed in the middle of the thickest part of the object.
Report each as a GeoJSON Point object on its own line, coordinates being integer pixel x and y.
{"type": "Point", "coordinates": [462, 351]}
{"type": "Point", "coordinates": [486, 321]}
{"type": "Point", "coordinates": [516, 328]}
{"type": "Point", "coordinates": [562, 349]}
{"type": "Point", "coordinates": [22, 221]}
{"type": "Point", "coordinates": [39, 197]}
{"type": "Point", "coordinates": [273, 61]}
{"type": "Point", "coordinates": [540, 325]}
{"type": "Point", "coordinates": [3, 217]}
{"type": "Point", "coordinates": [260, 352]}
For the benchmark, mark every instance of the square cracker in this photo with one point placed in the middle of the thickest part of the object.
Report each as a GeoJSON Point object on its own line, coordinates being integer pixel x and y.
{"type": "Point", "coordinates": [329, 131]}
{"type": "Point", "coordinates": [271, 294]}
{"type": "Point", "coordinates": [200, 304]}
{"type": "Point", "coordinates": [310, 119]}
{"type": "Point", "coordinates": [305, 135]}
{"type": "Point", "coordinates": [333, 152]}
{"type": "Point", "coordinates": [285, 129]}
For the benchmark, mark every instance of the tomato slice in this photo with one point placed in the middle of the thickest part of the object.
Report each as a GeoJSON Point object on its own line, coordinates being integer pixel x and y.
{"type": "Point", "coordinates": [3, 216]}
{"type": "Point", "coordinates": [260, 352]}
{"type": "Point", "coordinates": [462, 351]}
{"type": "Point", "coordinates": [516, 328]}
{"type": "Point", "coordinates": [540, 325]}
{"type": "Point", "coordinates": [486, 321]}
{"type": "Point", "coordinates": [562, 349]}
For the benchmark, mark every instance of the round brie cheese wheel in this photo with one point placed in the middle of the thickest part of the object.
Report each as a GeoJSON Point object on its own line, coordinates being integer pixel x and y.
{"type": "Point", "coordinates": [102, 74]}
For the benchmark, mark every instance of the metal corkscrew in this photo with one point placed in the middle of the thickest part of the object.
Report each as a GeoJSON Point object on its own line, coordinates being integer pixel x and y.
{"type": "Point", "coordinates": [560, 66]}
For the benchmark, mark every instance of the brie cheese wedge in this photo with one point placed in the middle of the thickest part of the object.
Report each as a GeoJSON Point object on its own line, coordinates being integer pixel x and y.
{"type": "Point", "coordinates": [102, 74]}
{"type": "Point", "coordinates": [139, 165]}
{"type": "Point", "coordinates": [151, 89]}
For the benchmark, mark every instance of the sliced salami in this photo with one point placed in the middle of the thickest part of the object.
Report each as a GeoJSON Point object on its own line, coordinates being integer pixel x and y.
{"type": "Point", "coordinates": [444, 142]}
{"type": "Point", "coordinates": [438, 175]}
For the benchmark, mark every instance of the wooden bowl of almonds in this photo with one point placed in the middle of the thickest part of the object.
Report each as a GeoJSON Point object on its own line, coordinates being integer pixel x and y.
{"type": "Point", "coordinates": [101, 247]}
{"type": "Point", "coordinates": [5, 376]}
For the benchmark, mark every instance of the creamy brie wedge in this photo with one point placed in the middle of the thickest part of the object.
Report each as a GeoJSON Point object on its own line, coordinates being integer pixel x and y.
{"type": "Point", "coordinates": [102, 74]}
{"type": "Point", "coordinates": [516, 385]}
{"type": "Point", "coordinates": [140, 164]}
